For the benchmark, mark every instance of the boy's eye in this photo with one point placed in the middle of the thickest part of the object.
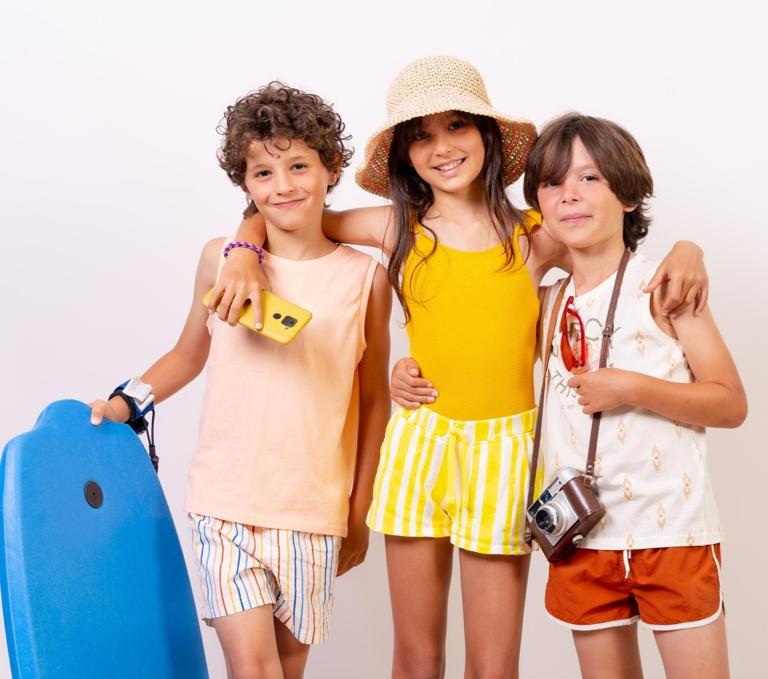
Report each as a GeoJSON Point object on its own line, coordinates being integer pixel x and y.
{"type": "Point", "coordinates": [590, 178]}
{"type": "Point", "coordinates": [262, 173]}
{"type": "Point", "coordinates": [299, 166]}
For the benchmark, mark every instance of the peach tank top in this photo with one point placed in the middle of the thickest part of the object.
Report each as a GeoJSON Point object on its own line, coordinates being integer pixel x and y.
{"type": "Point", "coordinates": [278, 430]}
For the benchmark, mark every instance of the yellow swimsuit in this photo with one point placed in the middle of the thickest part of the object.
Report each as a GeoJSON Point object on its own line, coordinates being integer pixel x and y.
{"type": "Point", "coordinates": [459, 468]}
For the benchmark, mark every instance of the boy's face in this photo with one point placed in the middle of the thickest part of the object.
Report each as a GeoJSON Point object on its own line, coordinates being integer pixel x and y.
{"type": "Point", "coordinates": [581, 210]}
{"type": "Point", "coordinates": [288, 182]}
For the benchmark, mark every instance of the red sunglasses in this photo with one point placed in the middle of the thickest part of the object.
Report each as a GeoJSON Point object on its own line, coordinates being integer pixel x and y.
{"type": "Point", "coordinates": [569, 358]}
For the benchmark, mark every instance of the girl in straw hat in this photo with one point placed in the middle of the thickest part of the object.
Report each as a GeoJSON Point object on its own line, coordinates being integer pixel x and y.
{"type": "Point", "coordinates": [465, 265]}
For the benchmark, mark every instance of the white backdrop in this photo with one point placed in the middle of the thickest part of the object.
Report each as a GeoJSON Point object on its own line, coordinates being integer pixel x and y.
{"type": "Point", "coordinates": [110, 187]}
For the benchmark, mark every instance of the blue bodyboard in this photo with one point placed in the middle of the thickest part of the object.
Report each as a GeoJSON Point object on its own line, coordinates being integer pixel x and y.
{"type": "Point", "coordinates": [93, 579]}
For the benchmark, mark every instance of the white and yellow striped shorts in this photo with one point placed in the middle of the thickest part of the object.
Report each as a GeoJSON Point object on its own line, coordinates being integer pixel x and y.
{"type": "Point", "coordinates": [462, 479]}
{"type": "Point", "coordinates": [242, 567]}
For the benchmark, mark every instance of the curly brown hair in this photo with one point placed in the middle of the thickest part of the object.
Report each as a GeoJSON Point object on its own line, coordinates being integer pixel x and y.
{"type": "Point", "coordinates": [617, 154]}
{"type": "Point", "coordinates": [279, 111]}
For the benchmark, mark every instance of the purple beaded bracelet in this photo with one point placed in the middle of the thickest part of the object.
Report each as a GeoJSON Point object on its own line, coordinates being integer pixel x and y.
{"type": "Point", "coordinates": [244, 244]}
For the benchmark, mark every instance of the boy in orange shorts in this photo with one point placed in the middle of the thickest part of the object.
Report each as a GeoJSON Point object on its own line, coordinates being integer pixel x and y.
{"type": "Point", "coordinates": [655, 555]}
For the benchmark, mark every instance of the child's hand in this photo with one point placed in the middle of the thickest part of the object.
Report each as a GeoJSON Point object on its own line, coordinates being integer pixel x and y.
{"type": "Point", "coordinates": [686, 279]}
{"type": "Point", "coordinates": [353, 547]}
{"type": "Point", "coordinates": [241, 280]}
{"type": "Point", "coordinates": [601, 389]}
{"type": "Point", "coordinates": [408, 388]}
{"type": "Point", "coordinates": [116, 410]}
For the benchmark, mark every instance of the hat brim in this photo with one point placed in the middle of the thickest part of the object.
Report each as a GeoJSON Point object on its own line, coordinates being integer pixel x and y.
{"type": "Point", "coordinates": [517, 135]}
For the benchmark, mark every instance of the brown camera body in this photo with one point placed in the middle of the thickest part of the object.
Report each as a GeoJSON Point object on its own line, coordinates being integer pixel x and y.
{"type": "Point", "coordinates": [564, 514]}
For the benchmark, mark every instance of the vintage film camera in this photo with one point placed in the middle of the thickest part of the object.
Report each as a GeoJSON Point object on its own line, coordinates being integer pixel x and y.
{"type": "Point", "coordinates": [564, 513]}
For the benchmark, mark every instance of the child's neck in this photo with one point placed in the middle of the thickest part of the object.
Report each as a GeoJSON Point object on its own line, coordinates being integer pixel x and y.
{"type": "Point", "coordinates": [593, 265]}
{"type": "Point", "coordinates": [462, 220]}
{"type": "Point", "coordinates": [305, 243]}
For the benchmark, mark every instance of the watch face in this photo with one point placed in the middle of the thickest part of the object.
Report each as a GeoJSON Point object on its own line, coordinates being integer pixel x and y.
{"type": "Point", "coordinates": [140, 392]}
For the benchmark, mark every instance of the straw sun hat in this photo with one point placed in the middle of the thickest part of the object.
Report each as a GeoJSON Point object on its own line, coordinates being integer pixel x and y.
{"type": "Point", "coordinates": [433, 85]}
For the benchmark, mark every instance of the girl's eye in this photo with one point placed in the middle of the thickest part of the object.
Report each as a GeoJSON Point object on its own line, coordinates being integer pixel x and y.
{"type": "Point", "coordinates": [421, 135]}
{"type": "Point", "coordinates": [457, 125]}
{"type": "Point", "coordinates": [548, 184]}
{"type": "Point", "coordinates": [590, 178]}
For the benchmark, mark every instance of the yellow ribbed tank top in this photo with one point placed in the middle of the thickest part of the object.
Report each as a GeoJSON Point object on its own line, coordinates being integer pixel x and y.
{"type": "Point", "coordinates": [473, 327]}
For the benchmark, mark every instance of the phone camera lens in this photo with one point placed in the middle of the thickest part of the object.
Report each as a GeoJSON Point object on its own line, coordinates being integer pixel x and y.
{"type": "Point", "coordinates": [277, 316]}
{"type": "Point", "coordinates": [289, 321]}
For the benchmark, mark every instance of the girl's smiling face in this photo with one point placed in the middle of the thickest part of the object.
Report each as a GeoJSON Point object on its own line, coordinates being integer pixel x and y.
{"type": "Point", "coordinates": [580, 209]}
{"type": "Point", "coordinates": [447, 152]}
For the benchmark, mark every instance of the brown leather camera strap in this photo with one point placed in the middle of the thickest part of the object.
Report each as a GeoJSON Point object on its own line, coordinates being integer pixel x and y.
{"type": "Point", "coordinates": [544, 378]}
{"type": "Point", "coordinates": [589, 471]}
{"type": "Point", "coordinates": [605, 346]}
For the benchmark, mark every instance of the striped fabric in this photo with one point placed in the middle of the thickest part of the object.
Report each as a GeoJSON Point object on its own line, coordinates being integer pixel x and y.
{"type": "Point", "coordinates": [242, 567]}
{"type": "Point", "coordinates": [465, 480]}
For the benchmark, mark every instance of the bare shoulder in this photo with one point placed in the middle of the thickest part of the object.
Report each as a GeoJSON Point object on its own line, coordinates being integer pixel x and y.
{"type": "Point", "coordinates": [209, 259]}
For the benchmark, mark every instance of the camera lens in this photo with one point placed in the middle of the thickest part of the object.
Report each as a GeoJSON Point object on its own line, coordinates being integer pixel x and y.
{"type": "Point", "coordinates": [277, 316]}
{"type": "Point", "coordinates": [546, 519]}
{"type": "Point", "coordinates": [289, 321]}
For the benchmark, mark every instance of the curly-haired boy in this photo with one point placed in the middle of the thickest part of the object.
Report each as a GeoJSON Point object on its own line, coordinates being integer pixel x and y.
{"type": "Point", "coordinates": [286, 430]}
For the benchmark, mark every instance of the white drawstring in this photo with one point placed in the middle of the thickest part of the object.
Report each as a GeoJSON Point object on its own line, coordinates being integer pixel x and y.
{"type": "Point", "coordinates": [627, 557]}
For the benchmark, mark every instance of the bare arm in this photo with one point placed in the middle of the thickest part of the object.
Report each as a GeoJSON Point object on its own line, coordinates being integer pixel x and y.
{"type": "Point", "coordinates": [715, 399]}
{"type": "Point", "coordinates": [681, 276]}
{"type": "Point", "coordinates": [374, 413]}
{"type": "Point", "coordinates": [242, 278]}
{"type": "Point", "coordinates": [186, 359]}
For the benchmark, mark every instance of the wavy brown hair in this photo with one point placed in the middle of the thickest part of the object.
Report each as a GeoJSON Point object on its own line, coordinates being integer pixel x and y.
{"type": "Point", "coordinates": [617, 155]}
{"type": "Point", "coordinates": [277, 111]}
{"type": "Point", "coordinates": [412, 197]}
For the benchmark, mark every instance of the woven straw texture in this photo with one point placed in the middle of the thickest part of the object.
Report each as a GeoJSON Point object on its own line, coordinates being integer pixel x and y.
{"type": "Point", "coordinates": [433, 85]}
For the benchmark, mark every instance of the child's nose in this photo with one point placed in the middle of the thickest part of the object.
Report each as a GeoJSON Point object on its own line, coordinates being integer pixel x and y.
{"type": "Point", "coordinates": [284, 183]}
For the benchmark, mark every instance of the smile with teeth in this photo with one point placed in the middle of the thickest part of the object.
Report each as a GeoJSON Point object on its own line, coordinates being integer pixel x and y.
{"type": "Point", "coordinates": [451, 165]}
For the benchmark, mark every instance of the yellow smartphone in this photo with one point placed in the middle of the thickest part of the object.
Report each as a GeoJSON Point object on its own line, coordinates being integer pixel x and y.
{"type": "Point", "coordinates": [281, 320]}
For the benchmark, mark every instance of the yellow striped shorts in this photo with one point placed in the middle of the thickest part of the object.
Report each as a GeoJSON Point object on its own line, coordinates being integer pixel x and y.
{"type": "Point", "coordinates": [462, 479]}
{"type": "Point", "coordinates": [242, 567]}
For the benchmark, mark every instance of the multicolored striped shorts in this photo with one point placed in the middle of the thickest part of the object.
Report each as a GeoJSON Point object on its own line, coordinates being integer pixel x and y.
{"type": "Point", "coordinates": [242, 567]}
{"type": "Point", "coordinates": [466, 480]}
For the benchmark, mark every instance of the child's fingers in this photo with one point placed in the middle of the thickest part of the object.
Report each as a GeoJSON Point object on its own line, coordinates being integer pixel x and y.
{"type": "Point", "coordinates": [673, 296]}
{"type": "Point", "coordinates": [98, 408]}
{"type": "Point", "coordinates": [216, 293]}
{"type": "Point", "coordinates": [703, 297]}
{"type": "Point", "coordinates": [237, 304]}
{"type": "Point", "coordinates": [254, 295]}
{"type": "Point", "coordinates": [658, 278]}
{"type": "Point", "coordinates": [226, 301]}
{"type": "Point", "coordinates": [405, 402]}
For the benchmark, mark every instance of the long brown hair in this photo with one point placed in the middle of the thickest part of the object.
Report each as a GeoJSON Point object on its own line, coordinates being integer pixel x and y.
{"type": "Point", "coordinates": [412, 197]}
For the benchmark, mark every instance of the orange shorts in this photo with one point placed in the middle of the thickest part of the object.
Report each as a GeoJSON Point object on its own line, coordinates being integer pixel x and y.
{"type": "Point", "coordinates": [665, 588]}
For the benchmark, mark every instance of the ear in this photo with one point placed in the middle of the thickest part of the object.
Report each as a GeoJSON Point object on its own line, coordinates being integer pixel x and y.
{"type": "Point", "coordinates": [630, 208]}
{"type": "Point", "coordinates": [335, 173]}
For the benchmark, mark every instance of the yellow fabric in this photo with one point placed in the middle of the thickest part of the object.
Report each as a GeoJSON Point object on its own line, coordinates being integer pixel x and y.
{"type": "Point", "coordinates": [467, 481]}
{"type": "Point", "coordinates": [473, 326]}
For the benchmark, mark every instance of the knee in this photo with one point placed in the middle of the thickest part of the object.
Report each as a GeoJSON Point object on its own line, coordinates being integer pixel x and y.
{"type": "Point", "coordinates": [419, 663]}
{"type": "Point", "coordinates": [492, 670]}
{"type": "Point", "coordinates": [255, 667]}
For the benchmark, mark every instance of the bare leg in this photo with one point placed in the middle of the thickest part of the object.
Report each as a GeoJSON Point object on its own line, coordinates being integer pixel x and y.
{"type": "Point", "coordinates": [695, 653]}
{"type": "Point", "coordinates": [249, 644]}
{"type": "Point", "coordinates": [419, 571]}
{"type": "Point", "coordinates": [610, 653]}
{"type": "Point", "coordinates": [493, 598]}
{"type": "Point", "coordinates": [293, 653]}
